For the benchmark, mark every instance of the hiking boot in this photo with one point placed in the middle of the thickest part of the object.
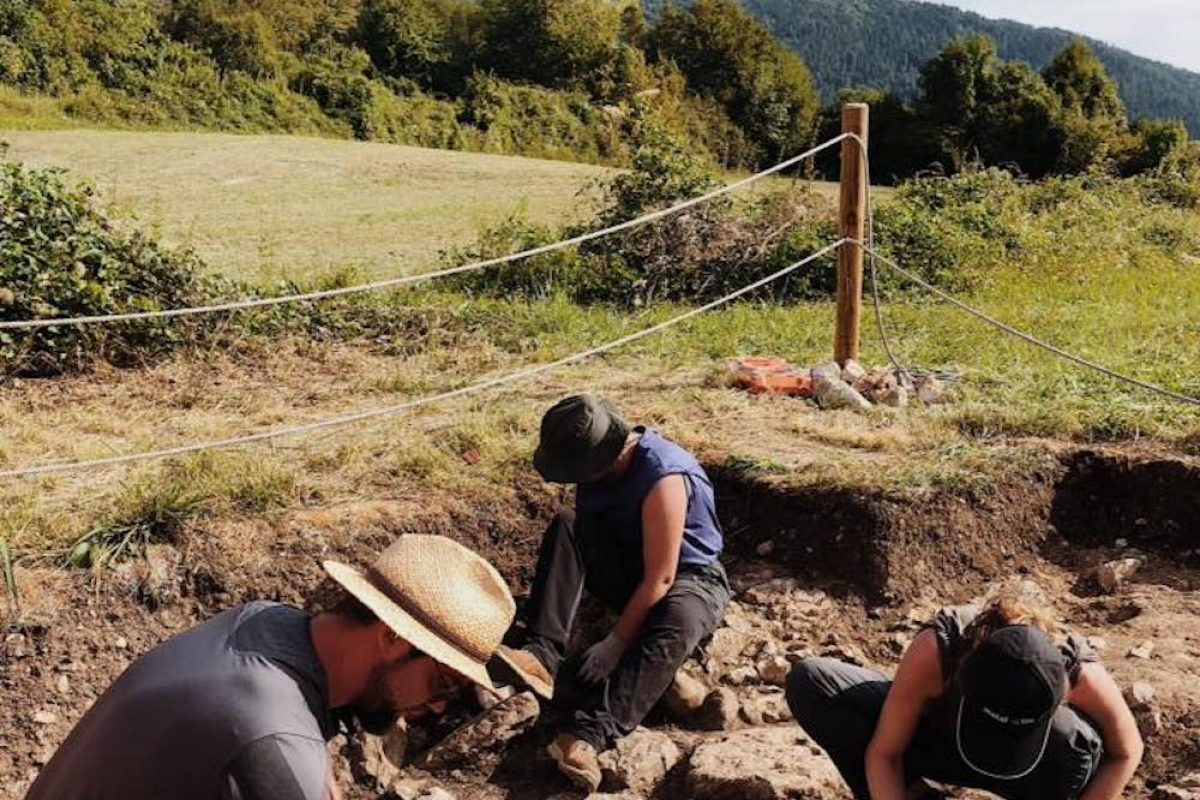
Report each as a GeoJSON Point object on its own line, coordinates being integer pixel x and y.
{"type": "Point", "coordinates": [577, 760]}
{"type": "Point", "coordinates": [684, 696]}
{"type": "Point", "coordinates": [529, 670]}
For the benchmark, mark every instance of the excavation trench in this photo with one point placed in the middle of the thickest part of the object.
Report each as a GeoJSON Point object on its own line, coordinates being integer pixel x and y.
{"type": "Point", "coordinates": [879, 558]}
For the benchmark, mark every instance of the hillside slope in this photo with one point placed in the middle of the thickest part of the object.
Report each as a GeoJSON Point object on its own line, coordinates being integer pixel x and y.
{"type": "Point", "coordinates": [883, 43]}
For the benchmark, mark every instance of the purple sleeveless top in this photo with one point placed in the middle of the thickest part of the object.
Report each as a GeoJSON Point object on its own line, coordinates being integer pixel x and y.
{"type": "Point", "coordinates": [616, 508]}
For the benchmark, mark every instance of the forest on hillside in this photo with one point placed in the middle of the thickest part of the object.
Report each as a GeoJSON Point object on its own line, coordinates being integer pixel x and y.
{"type": "Point", "coordinates": [884, 43]}
{"type": "Point", "coordinates": [586, 80]}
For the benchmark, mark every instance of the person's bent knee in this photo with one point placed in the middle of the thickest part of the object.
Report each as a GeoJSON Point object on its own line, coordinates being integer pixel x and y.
{"type": "Point", "coordinates": [806, 691]}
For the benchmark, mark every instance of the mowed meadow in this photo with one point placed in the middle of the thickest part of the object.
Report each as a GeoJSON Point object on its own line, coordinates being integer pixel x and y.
{"type": "Point", "coordinates": [1100, 273]}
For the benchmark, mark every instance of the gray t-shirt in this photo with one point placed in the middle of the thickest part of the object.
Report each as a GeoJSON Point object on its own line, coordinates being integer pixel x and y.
{"type": "Point", "coordinates": [233, 709]}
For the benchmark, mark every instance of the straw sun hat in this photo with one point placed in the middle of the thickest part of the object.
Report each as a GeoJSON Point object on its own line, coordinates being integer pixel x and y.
{"type": "Point", "coordinates": [444, 599]}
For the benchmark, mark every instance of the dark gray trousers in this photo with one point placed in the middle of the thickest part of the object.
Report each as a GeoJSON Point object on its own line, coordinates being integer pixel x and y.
{"type": "Point", "coordinates": [839, 704]}
{"type": "Point", "coordinates": [574, 557]}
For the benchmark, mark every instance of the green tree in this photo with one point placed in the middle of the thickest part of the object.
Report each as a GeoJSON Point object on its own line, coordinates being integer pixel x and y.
{"type": "Point", "coordinates": [407, 38]}
{"type": "Point", "coordinates": [984, 109]}
{"type": "Point", "coordinates": [574, 44]}
{"type": "Point", "coordinates": [731, 57]}
{"type": "Point", "coordinates": [1084, 85]}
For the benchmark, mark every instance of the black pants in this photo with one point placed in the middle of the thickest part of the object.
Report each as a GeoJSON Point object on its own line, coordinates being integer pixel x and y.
{"type": "Point", "coordinates": [838, 705]}
{"type": "Point", "coordinates": [574, 557]}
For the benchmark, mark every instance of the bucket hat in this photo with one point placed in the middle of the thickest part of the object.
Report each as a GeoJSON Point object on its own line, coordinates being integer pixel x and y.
{"type": "Point", "coordinates": [581, 438]}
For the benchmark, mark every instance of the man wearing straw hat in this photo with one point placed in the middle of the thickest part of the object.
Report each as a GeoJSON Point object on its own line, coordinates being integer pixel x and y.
{"type": "Point", "coordinates": [241, 707]}
{"type": "Point", "coordinates": [645, 540]}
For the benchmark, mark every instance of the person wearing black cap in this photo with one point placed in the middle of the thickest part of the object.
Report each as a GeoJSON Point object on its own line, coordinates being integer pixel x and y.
{"type": "Point", "coordinates": [644, 539]}
{"type": "Point", "coordinates": [983, 699]}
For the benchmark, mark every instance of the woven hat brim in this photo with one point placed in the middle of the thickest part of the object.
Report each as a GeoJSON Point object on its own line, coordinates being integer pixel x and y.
{"type": "Point", "coordinates": [539, 686]}
{"type": "Point", "coordinates": [406, 626]}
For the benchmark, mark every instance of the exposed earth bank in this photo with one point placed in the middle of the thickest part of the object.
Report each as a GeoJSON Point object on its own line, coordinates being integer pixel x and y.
{"type": "Point", "coordinates": [816, 571]}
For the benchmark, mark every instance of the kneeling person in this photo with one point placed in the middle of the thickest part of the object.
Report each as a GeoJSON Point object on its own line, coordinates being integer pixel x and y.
{"type": "Point", "coordinates": [645, 541]}
{"type": "Point", "coordinates": [982, 699]}
{"type": "Point", "coordinates": [240, 707]}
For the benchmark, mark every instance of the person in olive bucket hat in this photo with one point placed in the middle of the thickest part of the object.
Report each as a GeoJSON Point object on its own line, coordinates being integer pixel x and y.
{"type": "Point", "coordinates": [644, 539]}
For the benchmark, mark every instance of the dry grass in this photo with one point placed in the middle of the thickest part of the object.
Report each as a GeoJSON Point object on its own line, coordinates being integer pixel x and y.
{"type": "Point", "coordinates": [271, 208]}
{"type": "Point", "coordinates": [472, 448]}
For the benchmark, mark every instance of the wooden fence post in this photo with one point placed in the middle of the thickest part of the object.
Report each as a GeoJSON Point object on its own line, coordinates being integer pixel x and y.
{"type": "Point", "coordinates": [852, 221]}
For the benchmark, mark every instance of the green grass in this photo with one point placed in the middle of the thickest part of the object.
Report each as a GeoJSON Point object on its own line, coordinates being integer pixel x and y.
{"type": "Point", "coordinates": [21, 112]}
{"type": "Point", "coordinates": [274, 208]}
{"type": "Point", "coordinates": [1103, 276]}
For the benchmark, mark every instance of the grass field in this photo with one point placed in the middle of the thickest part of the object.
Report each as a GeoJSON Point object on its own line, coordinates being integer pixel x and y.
{"type": "Point", "coordinates": [271, 208]}
{"type": "Point", "coordinates": [264, 207]}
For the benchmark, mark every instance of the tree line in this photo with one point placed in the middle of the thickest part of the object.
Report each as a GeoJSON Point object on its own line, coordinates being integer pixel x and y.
{"type": "Point", "coordinates": [576, 79]}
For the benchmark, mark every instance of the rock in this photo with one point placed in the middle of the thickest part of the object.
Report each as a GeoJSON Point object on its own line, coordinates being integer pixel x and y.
{"type": "Point", "coordinates": [1111, 575]}
{"type": "Point", "coordinates": [770, 591]}
{"type": "Point", "coordinates": [1097, 643]}
{"type": "Point", "coordinates": [830, 391]}
{"type": "Point", "coordinates": [930, 390]}
{"type": "Point", "coordinates": [742, 675]}
{"type": "Point", "coordinates": [1140, 694]}
{"type": "Point", "coordinates": [120, 643]}
{"type": "Point", "coordinates": [750, 712]}
{"type": "Point", "coordinates": [1140, 697]}
{"type": "Point", "coordinates": [719, 712]}
{"type": "Point", "coordinates": [1184, 788]}
{"type": "Point", "coordinates": [876, 383]}
{"type": "Point", "coordinates": [1120, 544]}
{"type": "Point", "coordinates": [775, 709]}
{"type": "Point", "coordinates": [368, 759]}
{"type": "Point", "coordinates": [724, 649]}
{"type": "Point", "coordinates": [765, 549]}
{"type": "Point", "coordinates": [63, 684]}
{"type": "Point", "coordinates": [853, 372]}
{"type": "Point", "coordinates": [435, 793]}
{"type": "Point", "coordinates": [1144, 650]}
{"type": "Point", "coordinates": [684, 696]}
{"type": "Point", "coordinates": [762, 764]}
{"type": "Point", "coordinates": [639, 761]}
{"type": "Point", "coordinates": [482, 738]}
{"type": "Point", "coordinates": [44, 717]}
{"type": "Point", "coordinates": [895, 397]}
{"type": "Point", "coordinates": [774, 670]}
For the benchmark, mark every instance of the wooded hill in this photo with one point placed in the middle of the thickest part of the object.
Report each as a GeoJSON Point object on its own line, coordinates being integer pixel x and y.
{"type": "Point", "coordinates": [883, 43]}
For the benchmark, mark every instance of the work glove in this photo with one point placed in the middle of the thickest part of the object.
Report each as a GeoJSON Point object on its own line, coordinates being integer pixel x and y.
{"type": "Point", "coordinates": [601, 659]}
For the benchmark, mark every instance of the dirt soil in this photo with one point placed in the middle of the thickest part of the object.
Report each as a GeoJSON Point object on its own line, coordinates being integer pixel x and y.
{"type": "Point", "coordinates": [874, 566]}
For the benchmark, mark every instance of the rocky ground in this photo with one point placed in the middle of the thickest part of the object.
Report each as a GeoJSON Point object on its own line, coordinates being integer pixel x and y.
{"type": "Point", "coordinates": [1133, 589]}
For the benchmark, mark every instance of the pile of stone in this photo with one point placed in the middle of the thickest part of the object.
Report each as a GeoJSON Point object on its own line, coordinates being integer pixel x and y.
{"type": "Point", "coordinates": [852, 386]}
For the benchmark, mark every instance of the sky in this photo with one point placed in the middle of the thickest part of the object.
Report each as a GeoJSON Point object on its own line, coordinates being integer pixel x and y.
{"type": "Point", "coordinates": [1164, 30]}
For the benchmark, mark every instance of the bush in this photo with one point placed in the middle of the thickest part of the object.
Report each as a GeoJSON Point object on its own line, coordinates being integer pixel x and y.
{"type": "Point", "coordinates": [950, 230]}
{"type": "Point", "coordinates": [1176, 181]}
{"type": "Point", "coordinates": [694, 256]}
{"type": "Point", "coordinates": [61, 256]}
{"type": "Point", "coordinates": [544, 123]}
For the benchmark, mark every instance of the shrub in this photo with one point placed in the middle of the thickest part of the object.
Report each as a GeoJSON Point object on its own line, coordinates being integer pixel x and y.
{"type": "Point", "coordinates": [60, 255]}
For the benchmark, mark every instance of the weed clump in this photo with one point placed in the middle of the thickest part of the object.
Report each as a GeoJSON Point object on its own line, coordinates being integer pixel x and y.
{"type": "Point", "coordinates": [61, 255]}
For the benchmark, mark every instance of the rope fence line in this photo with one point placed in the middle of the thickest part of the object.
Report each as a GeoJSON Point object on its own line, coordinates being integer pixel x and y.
{"type": "Point", "coordinates": [376, 413]}
{"type": "Point", "coordinates": [1019, 334]}
{"type": "Point", "coordinates": [260, 302]}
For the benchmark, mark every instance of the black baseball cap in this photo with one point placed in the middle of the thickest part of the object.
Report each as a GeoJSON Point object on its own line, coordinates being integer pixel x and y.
{"type": "Point", "coordinates": [1012, 685]}
{"type": "Point", "coordinates": [581, 438]}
